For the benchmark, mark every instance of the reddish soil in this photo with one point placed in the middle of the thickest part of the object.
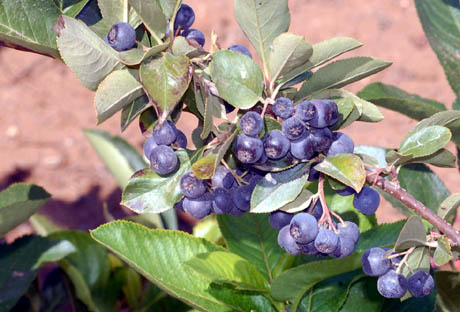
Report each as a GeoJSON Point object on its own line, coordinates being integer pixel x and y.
{"type": "Point", "coordinates": [45, 108]}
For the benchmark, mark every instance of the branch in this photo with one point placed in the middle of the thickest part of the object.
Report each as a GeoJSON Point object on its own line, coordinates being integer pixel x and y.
{"type": "Point", "coordinates": [395, 190]}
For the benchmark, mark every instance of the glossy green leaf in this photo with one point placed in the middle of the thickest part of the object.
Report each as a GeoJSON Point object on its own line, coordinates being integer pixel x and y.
{"type": "Point", "coordinates": [147, 121]}
{"type": "Point", "coordinates": [442, 158]}
{"type": "Point", "coordinates": [393, 98]}
{"type": "Point", "coordinates": [251, 237]}
{"type": "Point", "coordinates": [29, 24]}
{"type": "Point", "coordinates": [43, 225]}
{"type": "Point", "coordinates": [87, 55]}
{"type": "Point", "coordinates": [119, 89]}
{"type": "Point", "coordinates": [448, 287]}
{"type": "Point", "coordinates": [114, 11]}
{"type": "Point", "coordinates": [147, 192]}
{"type": "Point", "coordinates": [152, 17]}
{"type": "Point", "coordinates": [278, 189]}
{"type": "Point", "coordinates": [441, 23]}
{"type": "Point", "coordinates": [121, 159]}
{"type": "Point", "coordinates": [363, 296]}
{"type": "Point", "coordinates": [166, 79]}
{"type": "Point", "coordinates": [412, 234]}
{"type": "Point", "coordinates": [167, 6]}
{"type": "Point", "coordinates": [425, 141]}
{"type": "Point", "coordinates": [16, 267]}
{"type": "Point", "coordinates": [132, 288]}
{"type": "Point", "coordinates": [280, 165]}
{"type": "Point", "coordinates": [322, 52]}
{"type": "Point", "coordinates": [55, 253]}
{"type": "Point", "coordinates": [149, 252]}
{"type": "Point", "coordinates": [443, 253]}
{"type": "Point", "coordinates": [288, 52]}
{"type": "Point", "coordinates": [238, 78]}
{"type": "Point", "coordinates": [424, 304]}
{"type": "Point", "coordinates": [18, 202]}
{"type": "Point", "coordinates": [302, 202]}
{"type": "Point", "coordinates": [340, 73]}
{"type": "Point", "coordinates": [227, 267]}
{"type": "Point", "coordinates": [262, 21]}
{"type": "Point", "coordinates": [346, 168]}
{"type": "Point", "coordinates": [379, 236]}
{"type": "Point", "coordinates": [133, 110]}
{"type": "Point", "coordinates": [208, 229]}
{"type": "Point", "coordinates": [448, 208]}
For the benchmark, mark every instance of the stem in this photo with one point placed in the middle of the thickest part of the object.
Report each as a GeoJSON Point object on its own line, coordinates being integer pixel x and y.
{"type": "Point", "coordinates": [404, 261]}
{"type": "Point", "coordinates": [326, 217]}
{"type": "Point", "coordinates": [395, 190]}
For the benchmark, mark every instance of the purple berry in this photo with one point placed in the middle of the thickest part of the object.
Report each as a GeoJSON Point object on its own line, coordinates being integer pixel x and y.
{"type": "Point", "coordinates": [283, 108]}
{"type": "Point", "coordinates": [198, 207]}
{"type": "Point", "coordinates": [294, 128]}
{"type": "Point", "coordinates": [279, 219]}
{"type": "Point", "coordinates": [367, 201]}
{"type": "Point", "coordinates": [223, 201]}
{"type": "Point", "coordinates": [164, 134]}
{"type": "Point", "coordinates": [349, 230]}
{"type": "Point", "coordinates": [303, 149]}
{"type": "Point", "coordinates": [374, 262]}
{"type": "Point", "coordinates": [341, 143]}
{"type": "Point", "coordinates": [163, 160]}
{"type": "Point", "coordinates": [121, 36]}
{"type": "Point", "coordinates": [194, 34]}
{"type": "Point", "coordinates": [184, 18]}
{"type": "Point", "coordinates": [392, 285]}
{"type": "Point", "coordinates": [287, 242]}
{"type": "Point", "coordinates": [251, 124]}
{"type": "Point", "coordinates": [321, 139]}
{"type": "Point", "coordinates": [191, 186]}
{"type": "Point", "coordinates": [276, 145]}
{"type": "Point", "coordinates": [305, 111]}
{"type": "Point", "coordinates": [248, 149]}
{"type": "Point", "coordinates": [326, 114]}
{"type": "Point", "coordinates": [149, 145]}
{"type": "Point", "coordinates": [222, 178]}
{"type": "Point", "coordinates": [241, 49]}
{"type": "Point", "coordinates": [345, 247]}
{"type": "Point", "coordinates": [326, 241]}
{"type": "Point", "coordinates": [304, 228]}
{"type": "Point", "coordinates": [420, 284]}
{"type": "Point", "coordinates": [346, 191]}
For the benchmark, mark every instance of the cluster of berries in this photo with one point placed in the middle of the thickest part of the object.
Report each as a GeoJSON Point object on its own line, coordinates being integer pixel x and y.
{"type": "Point", "coordinates": [390, 283]}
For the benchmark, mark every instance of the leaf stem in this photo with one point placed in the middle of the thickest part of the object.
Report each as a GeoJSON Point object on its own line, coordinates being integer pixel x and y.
{"type": "Point", "coordinates": [395, 190]}
{"type": "Point", "coordinates": [404, 261]}
{"type": "Point", "coordinates": [326, 217]}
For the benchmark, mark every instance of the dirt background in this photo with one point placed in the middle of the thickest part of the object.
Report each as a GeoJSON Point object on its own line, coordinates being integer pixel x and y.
{"type": "Point", "coordinates": [45, 108]}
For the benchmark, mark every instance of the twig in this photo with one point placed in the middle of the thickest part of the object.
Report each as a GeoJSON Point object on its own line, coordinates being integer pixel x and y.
{"type": "Point", "coordinates": [326, 217]}
{"type": "Point", "coordinates": [402, 195]}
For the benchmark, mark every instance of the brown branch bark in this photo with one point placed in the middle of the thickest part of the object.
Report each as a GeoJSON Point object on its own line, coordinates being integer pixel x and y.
{"type": "Point", "coordinates": [402, 195]}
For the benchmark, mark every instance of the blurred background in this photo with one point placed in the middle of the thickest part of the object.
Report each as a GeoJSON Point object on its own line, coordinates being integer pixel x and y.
{"type": "Point", "coordinates": [45, 108]}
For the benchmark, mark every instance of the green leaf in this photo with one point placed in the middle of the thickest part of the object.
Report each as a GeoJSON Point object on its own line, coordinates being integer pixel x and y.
{"type": "Point", "coordinates": [262, 21]}
{"type": "Point", "coordinates": [278, 189]}
{"type": "Point", "coordinates": [152, 17]}
{"type": "Point", "coordinates": [448, 287]}
{"type": "Point", "coordinates": [419, 259]}
{"type": "Point", "coordinates": [393, 98]}
{"type": "Point", "coordinates": [208, 229]}
{"type": "Point", "coordinates": [441, 23]}
{"type": "Point", "coordinates": [322, 52]}
{"type": "Point", "coordinates": [132, 288]}
{"type": "Point", "coordinates": [151, 252]}
{"type": "Point", "coordinates": [424, 304]}
{"type": "Point", "coordinates": [442, 158]}
{"type": "Point", "coordinates": [147, 192]}
{"type": "Point", "coordinates": [340, 73]}
{"type": "Point", "coordinates": [56, 253]}
{"type": "Point", "coordinates": [251, 237]}
{"type": "Point", "coordinates": [119, 89]}
{"type": "Point", "coordinates": [288, 52]}
{"type": "Point", "coordinates": [448, 208]}
{"type": "Point", "coordinates": [166, 79]}
{"type": "Point", "coordinates": [382, 235]}
{"type": "Point", "coordinates": [16, 263]}
{"type": "Point", "coordinates": [18, 202]}
{"type": "Point", "coordinates": [134, 57]}
{"type": "Point", "coordinates": [227, 267]}
{"type": "Point", "coordinates": [363, 296]}
{"type": "Point", "coordinates": [167, 6]}
{"type": "Point", "coordinates": [443, 253]}
{"type": "Point", "coordinates": [425, 141]}
{"type": "Point", "coordinates": [412, 234]}
{"type": "Point", "coordinates": [87, 55]}
{"type": "Point", "coordinates": [301, 203]}
{"type": "Point", "coordinates": [29, 24]}
{"type": "Point", "coordinates": [121, 159]}
{"type": "Point", "coordinates": [237, 77]}
{"type": "Point", "coordinates": [114, 11]}
{"type": "Point", "coordinates": [131, 112]}
{"type": "Point", "coordinates": [347, 168]}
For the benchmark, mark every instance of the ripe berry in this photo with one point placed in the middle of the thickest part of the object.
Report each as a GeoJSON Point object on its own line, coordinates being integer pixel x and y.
{"type": "Point", "coordinates": [191, 186]}
{"type": "Point", "coordinates": [222, 178]}
{"type": "Point", "coordinates": [242, 197]}
{"type": "Point", "coordinates": [318, 210]}
{"type": "Point", "coordinates": [149, 145]}
{"type": "Point", "coordinates": [374, 262]}
{"type": "Point", "coordinates": [304, 228]}
{"type": "Point", "coordinates": [420, 284]}
{"type": "Point", "coordinates": [181, 139]}
{"type": "Point", "coordinates": [283, 108]}
{"type": "Point", "coordinates": [367, 201]}
{"type": "Point", "coordinates": [321, 139]}
{"type": "Point", "coordinates": [349, 230]}
{"type": "Point", "coordinates": [165, 133]}
{"type": "Point", "coordinates": [163, 160]}
{"type": "Point", "coordinates": [184, 18]}
{"type": "Point", "coordinates": [309, 248]}
{"type": "Point", "coordinates": [287, 242]}
{"type": "Point", "coordinates": [194, 34]}
{"type": "Point", "coordinates": [251, 124]}
{"type": "Point", "coordinates": [326, 114]}
{"type": "Point", "coordinates": [326, 241]}
{"type": "Point", "coordinates": [346, 191]}
{"type": "Point", "coordinates": [345, 247]}
{"type": "Point", "coordinates": [305, 111]}
{"type": "Point", "coordinates": [293, 128]}
{"type": "Point", "coordinates": [121, 36]}
{"type": "Point", "coordinates": [248, 149]}
{"type": "Point", "coordinates": [198, 207]}
{"type": "Point", "coordinates": [314, 174]}
{"type": "Point", "coordinates": [223, 201]}
{"type": "Point", "coordinates": [392, 285]}
{"type": "Point", "coordinates": [341, 143]}
{"type": "Point", "coordinates": [241, 49]}
{"type": "Point", "coordinates": [303, 149]}
{"type": "Point", "coordinates": [276, 145]}
{"type": "Point", "coordinates": [279, 219]}
{"type": "Point", "coordinates": [179, 205]}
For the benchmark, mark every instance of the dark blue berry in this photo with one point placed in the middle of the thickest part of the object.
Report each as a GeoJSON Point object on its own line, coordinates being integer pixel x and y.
{"type": "Point", "coordinates": [314, 174]}
{"type": "Point", "coordinates": [223, 201]}
{"type": "Point", "coordinates": [251, 123]}
{"type": "Point", "coordinates": [121, 36]}
{"type": "Point", "coordinates": [420, 284]}
{"type": "Point", "coordinates": [90, 14]}
{"type": "Point", "coordinates": [303, 149]}
{"type": "Point", "coordinates": [318, 210]}
{"type": "Point", "coordinates": [346, 191]}
{"type": "Point", "coordinates": [321, 139]}
{"type": "Point", "coordinates": [392, 285]}
{"type": "Point", "coordinates": [341, 143]}
{"type": "Point", "coordinates": [165, 134]}
{"type": "Point", "coordinates": [179, 205]}
{"type": "Point", "coordinates": [222, 178]}
{"type": "Point", "coordinates": [242, 197]}
{"type": "Point", "coordinates": [191, 186]}
{"type": "Point", "coordinates": [149, 145]}
{"type": "Point", "coordinates": [304, 228]}
{"type": "Point", "coordinates": [326, 114]}
{"type": "Point", "coordinates": [241, 49]}
{"type": "Point", "coordinates": [294, 128]}
{"type": "Point", "coordinates": [184, 18]}
{"type": "Point", "coordinates": [194, 34]}
{"type": "Point", "coordinates": [248, 149]}
{"type": "Point", "coordinates": [279, 219]}
{"type": "Point", "coordinates": [181, 139]}
{"type": "Point", "coordinates": [374, 262]}
{"type": "Point", "coordinates": [163, 160]}
{"type": "Point", "coordinates": [198, 207]}
{"type": "Point", "coordinates": [309, 248]}
{"type": "Point", "coordinates": [367, 201]}
{"type": "Point", "coordinates": [276, 145]}
{"type": "Point", "coordinates": [287, 242]}
{"type": "Point", "coordinates": [349, 230]}
{"type": "Point", "coordinates": [326, 241]}
{"type": "Point", "coordinates": [283, 108]}
{"type": "Point", "coordinates": [305, 111]}
{"type": "Point", "coordinates": [345, 247]}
